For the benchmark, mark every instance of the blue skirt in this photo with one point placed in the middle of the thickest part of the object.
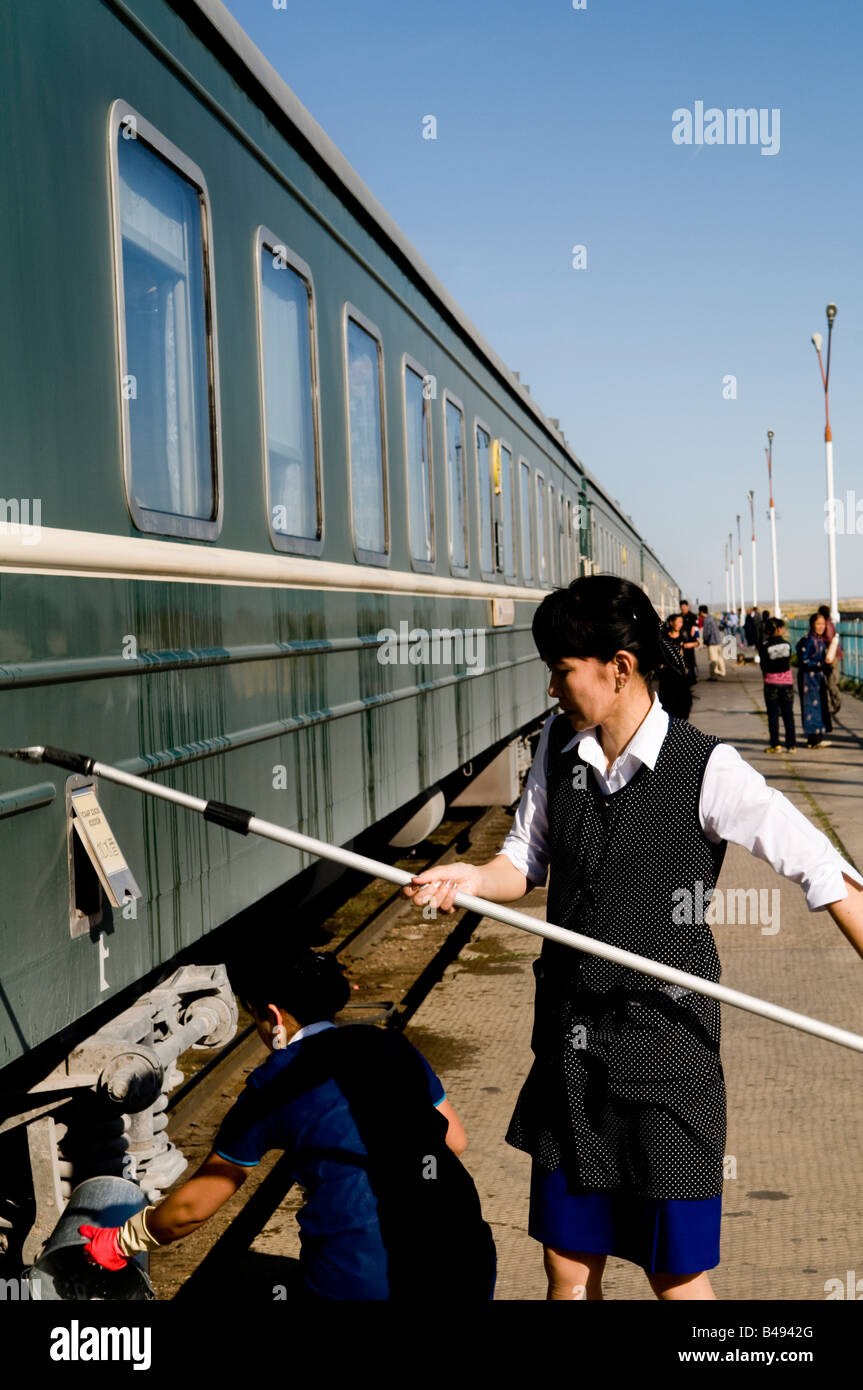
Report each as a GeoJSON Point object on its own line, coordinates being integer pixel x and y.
{"type": "Point", "coordinates": [663, 1236]}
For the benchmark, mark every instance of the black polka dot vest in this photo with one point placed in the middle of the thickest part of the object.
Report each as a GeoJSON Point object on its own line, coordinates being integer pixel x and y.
{"type": "Point", "coordinates": [626, 1091]}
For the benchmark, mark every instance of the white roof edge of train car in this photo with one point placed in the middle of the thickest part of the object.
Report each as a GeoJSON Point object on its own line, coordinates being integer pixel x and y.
{"type": "Point", "coordinates": [265, 74]}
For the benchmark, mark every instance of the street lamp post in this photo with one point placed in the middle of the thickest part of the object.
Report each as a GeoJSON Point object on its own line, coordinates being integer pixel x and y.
{"type": "Point", "coordinates": [733, 589]}
{"type": "Point", "coordinates": [740, 566]}
{"type": "Point", "coordinates": [828, 453]}
{"type": "Point", "coordinates": [777, 611]}
{"type": "Point", "coordinates": [727, 590]}
{"type": "Point", "coordinates": [754, 581]}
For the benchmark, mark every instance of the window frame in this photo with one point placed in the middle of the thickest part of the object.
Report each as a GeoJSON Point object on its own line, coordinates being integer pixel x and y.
{"type": "Point", "coordinates": [422, 566]}
{"type": "Point", "coordinates": [146, 519]}
{"type": "Point", "coordinates": [541, 528]}
{"type": "Point", "coordinates": [480, 424]}
{"type": "Point", "coordinates": [553, 539]}
{"type": "Point", "coordinates": [531, 577]}
{"type": "Point", "coordinates": [299, 545]}
{"type": "Point", "coordinates": [456, 569]}
{"type": "Point", "coordinates": [504, 444]}
{"type": "Point", "coordinates": [363, 556]}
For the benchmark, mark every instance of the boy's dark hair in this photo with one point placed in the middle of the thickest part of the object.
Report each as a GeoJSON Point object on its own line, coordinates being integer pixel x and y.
{"type": "Point", "coordinates": [309, 984]}
{"type": "Point", "coordinates": [702, 607]}
{"type": "Point", "coordinates": [598, 615]}
{"type": "Point", "coordinates": [823, 610]}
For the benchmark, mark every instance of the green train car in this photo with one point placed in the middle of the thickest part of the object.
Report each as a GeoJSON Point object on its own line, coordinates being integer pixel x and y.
{"type": "Point", "coordinates": [246, 434]}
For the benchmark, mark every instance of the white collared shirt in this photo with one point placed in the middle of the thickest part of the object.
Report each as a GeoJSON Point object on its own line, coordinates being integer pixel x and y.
{"type": "Point", "coordinates": [309, 1028]}
{"type": "Point", "coordinates": [735, 804]}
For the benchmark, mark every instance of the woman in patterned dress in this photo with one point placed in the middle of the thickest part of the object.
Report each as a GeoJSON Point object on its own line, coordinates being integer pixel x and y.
{"type": "Point", "coordinates": [812, 683]}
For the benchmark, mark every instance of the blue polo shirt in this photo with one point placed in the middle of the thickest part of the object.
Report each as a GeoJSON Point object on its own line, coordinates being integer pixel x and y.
{"type": "Point", "coordinates": [343, 1255]}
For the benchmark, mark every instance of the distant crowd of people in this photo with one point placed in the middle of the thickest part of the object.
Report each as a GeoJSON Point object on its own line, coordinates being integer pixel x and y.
{"type": "Point", "coordinates": [819, 657]}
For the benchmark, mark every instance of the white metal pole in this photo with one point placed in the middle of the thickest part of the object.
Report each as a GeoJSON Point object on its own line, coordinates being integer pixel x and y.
{"type": "Point", "coordinates": [777, 611]}
{"type": "Point", "coordinates": [727, 589]}
{"type": "Point", "coordinates": [828, 453]}
{"type": "Point", "coordinates": [247, 823]}
{"type": "Point", "coordinates": [733, 590]}
{"type": "Point", "coordinates": [831, 529]}
{"type": "Point", "coordinates": [754, 580]}
{"type": "Point", "coordinates": [754, 599]}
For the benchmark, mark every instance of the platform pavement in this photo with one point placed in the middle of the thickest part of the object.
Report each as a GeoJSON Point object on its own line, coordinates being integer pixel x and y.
{"type": "Point", "coordinates": [793, 1212]}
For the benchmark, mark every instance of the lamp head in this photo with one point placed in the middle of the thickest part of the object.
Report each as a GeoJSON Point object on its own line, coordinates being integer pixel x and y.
{"type": "Point", "coordinates": [817, 340]}
{"type": "Point", "coordinates": [831, 314]}
{"type": "Point", "coordinates": [770, 435]}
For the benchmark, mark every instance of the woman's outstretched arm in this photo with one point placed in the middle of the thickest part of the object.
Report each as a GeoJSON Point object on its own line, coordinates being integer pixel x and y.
{"type": "Point", "coordinates": [847, 913]}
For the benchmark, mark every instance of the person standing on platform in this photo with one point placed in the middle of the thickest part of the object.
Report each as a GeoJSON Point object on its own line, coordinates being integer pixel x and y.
{"type": "Point", "coordinates": [675, 694]}
{"type": "Point", "coordinates": [775, 655]}
{"type": "Point", "coordinates": [628, 810]}
{"type": "Point", "coordinates": [833, 660]}
{"type": "Point", "coordinates": [712, 639]}
{"type": "Point", "coordinates": [812, 683]}
{"type": "Point", "coordinates": [689, 639]}
{"type": "Point", "coordinates": [752, 628]}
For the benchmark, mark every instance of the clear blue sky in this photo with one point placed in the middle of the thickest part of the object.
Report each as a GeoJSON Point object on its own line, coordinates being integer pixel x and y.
{"type": "Point", "coordinates": [554, 129]}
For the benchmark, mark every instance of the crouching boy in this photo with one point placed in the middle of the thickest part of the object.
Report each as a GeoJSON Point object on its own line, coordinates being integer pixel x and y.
{"type": "Point", "coordinates": [390, 1211]}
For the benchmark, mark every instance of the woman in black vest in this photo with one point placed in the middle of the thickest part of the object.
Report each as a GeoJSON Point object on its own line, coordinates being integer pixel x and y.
{"type": "Point", "coordinates": [623, 1111]}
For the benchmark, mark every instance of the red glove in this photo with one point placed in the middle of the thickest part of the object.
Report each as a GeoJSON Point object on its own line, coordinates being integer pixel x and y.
{"type": "Point", "coordinates": [102, 1246]}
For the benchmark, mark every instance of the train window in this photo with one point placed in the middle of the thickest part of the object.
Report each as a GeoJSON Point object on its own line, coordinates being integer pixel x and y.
{"type": "Point", "coordinates": [541, 527]}
{"type": "Point", "coordinates": [552, 534]}
{"type": "Point", "coordinates": [482, 440]}
{"type": "Point", "coordinates": [166, 332]}
{"type": "Point", "coordinates": [526, 520]}
{"type": "Point", "coordinates": [571, 550]}
{"type": "Point", "coordinates": [456, 482]}
{"type": "Point", "coordinates": [366, 438]}
{"type": "Point", "coordinates": [418, 451]}
{"type": "Point", "coordinates": [565, 539]}
{"type": "Point", "coordinates": [289, 396]}
{"type": "Point", "coordinates": [507, 509]}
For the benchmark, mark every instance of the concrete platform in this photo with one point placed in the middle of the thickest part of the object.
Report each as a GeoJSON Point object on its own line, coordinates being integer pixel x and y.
{"type": "Point", "coordinates": [793, 1211]}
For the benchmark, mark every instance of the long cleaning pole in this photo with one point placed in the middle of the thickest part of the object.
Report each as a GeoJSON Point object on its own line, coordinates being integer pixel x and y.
{"type": "Point", "coordinates": [247, 823]}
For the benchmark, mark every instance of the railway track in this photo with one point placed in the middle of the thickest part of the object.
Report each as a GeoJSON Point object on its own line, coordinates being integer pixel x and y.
{"type": "Point", "coordinates": [394, 958]}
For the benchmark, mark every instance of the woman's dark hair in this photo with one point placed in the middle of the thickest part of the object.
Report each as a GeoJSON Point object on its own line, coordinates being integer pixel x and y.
{"type": "Point", "coordinates": [598, 615]}
{"type": "Point", "coordinates": [309, 984]}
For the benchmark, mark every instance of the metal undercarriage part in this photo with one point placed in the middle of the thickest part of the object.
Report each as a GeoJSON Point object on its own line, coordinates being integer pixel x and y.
{"type": "Point", "coordinates": [103, 1110]}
